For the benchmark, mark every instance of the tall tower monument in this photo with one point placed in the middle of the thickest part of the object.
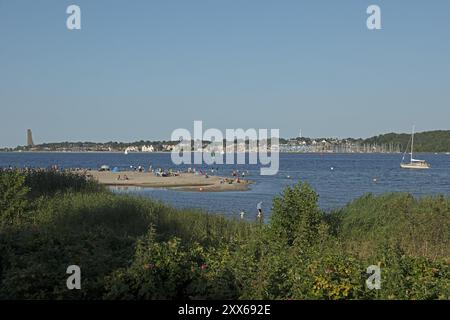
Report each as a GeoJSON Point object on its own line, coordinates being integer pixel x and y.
{"type": "Point", "coordinates": [30, 142]}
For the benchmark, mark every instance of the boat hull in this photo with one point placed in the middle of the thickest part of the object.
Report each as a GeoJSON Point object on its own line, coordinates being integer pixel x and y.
{"type": "Point", "coordinates": [414, 166]}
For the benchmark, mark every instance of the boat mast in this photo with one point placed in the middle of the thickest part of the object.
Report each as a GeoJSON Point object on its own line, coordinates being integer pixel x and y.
{"type": "Point", "coordinates": [412, 143]}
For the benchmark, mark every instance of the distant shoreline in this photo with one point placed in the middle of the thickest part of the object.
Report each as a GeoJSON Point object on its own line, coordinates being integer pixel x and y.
{"type": "Point", "coordinates": [168, 152]}
{"type": "Point", "coordinates": [432, 141]}
{"type": "Point", "coordinates": [113, 152]}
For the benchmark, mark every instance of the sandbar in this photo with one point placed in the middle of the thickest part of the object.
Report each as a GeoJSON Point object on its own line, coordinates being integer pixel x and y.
{"type": "Point", "coordinates": [182, 182]}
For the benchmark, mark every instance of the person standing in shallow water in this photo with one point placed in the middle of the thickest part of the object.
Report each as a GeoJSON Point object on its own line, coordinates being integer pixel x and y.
{"type": "Point", "coordinates": [259, 214]}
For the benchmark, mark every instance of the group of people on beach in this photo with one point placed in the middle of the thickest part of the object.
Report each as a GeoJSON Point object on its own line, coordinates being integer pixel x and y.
{"type": "Point", "coordinates": [166, 172]}
{"type": "Point", "coordinates": [235, 173]}
{"type": "Point", "coordinates": [159, 172]}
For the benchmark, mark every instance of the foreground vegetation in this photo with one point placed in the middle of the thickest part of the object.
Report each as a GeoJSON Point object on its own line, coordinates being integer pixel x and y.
{"type": "Point", "coordinates": [135, 248]}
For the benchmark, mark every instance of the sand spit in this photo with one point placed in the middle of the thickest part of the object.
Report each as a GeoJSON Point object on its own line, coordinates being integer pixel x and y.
{"type": "Point", "coordinates": [183, 181]}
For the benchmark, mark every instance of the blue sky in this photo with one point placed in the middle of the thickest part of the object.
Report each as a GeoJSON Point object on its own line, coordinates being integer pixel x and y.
{"type": "Point", "coordinates": [140, 69]}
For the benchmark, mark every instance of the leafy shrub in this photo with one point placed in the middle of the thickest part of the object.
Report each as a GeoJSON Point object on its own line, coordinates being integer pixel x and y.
{"type": "Point", "coordinates": [50, 182]}
{"type": "Point", "coordinates": [296, 215]}
{"type": "Point", "coordinates": [160, 270]}
{"type": "Point", "coordinates": [13, 192]}
{"type": "Point", "coordinates": [421, 227]}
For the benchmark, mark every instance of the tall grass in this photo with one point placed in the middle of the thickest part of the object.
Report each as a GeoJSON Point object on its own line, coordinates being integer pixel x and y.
{"type": "Point", "coordinates": [421, 227]}
{"type": "Point", "coordinates": [44, 182]}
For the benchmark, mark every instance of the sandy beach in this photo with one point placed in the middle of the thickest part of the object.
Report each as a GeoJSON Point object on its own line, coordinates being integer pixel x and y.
{"type": "Point", "coordinates": [183, 182]}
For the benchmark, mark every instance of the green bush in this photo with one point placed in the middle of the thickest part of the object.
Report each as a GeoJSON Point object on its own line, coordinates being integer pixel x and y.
{"type": "Point", "coordinates": [421, 227]}
{"type": "Point", "coordinates": [46, 183]}
{"type": "Point", "coordinates": [296, 216]}
{"type": "Point", "coordinates": [13, 193]}
{"type": "Point", "coordinates": [96, 232]}
{"type": "Point", "coordinates": [409, 277]}
{"type": "Point", "coordinates": [160, 270]}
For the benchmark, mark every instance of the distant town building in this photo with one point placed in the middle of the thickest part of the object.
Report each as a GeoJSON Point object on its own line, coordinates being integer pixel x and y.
{"type": "Point", "coordinates": [149, 148]}
{"type": "Point", "coordinates": [132, 149]}
{"type": "Point", "coordinates": [30, 142]}
{"type": "Point", "coordinates": [167, 147]}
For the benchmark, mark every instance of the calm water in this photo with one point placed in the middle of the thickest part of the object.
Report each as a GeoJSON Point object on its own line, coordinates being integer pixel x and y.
{"type": "Point", "coordinates": [352, 176]}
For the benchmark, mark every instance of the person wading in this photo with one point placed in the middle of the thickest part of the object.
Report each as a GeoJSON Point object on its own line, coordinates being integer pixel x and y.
{"type": "Point", "coordinates": [259, 214]}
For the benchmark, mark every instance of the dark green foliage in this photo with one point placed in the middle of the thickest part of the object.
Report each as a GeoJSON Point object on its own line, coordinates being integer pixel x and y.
{"type": "Point", "coordinates": [160, 270]}
{"type": "Point", "coordinates": [13, 192]}
{"type": "Point", "coordinates": [430, 141]}
{"type": "Point", "coordinates": [96, 232]}
{"type": "Point", "coordinates": [421, 227]}
{"type": "Point", "coordinates": [135, 248]}
{"type": "Point", "coordinates": [410, 277]}
{"type": "Point", "coordinates": [49, 182]}
{"type": "Point", "coordinates": [296, 215]}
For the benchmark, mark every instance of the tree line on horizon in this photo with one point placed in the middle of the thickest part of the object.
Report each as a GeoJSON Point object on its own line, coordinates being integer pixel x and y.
{"type": "Point", "coordinates": [428, 141]}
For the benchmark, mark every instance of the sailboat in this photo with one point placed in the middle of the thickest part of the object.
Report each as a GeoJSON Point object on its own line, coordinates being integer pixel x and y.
{"type": "Point", "coordinates": [413, 163]}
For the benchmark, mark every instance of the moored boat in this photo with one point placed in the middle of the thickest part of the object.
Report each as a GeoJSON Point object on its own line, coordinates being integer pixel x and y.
{"type": "Point", "coordinates": [414, 163]}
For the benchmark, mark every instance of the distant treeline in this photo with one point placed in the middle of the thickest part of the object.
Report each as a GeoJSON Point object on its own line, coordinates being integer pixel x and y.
{"type": "Point", "coordinates": [429, 141]}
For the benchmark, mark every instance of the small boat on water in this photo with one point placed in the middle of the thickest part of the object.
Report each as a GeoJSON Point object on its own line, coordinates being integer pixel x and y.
{"type": "Point", "coordinates": [413, 163]}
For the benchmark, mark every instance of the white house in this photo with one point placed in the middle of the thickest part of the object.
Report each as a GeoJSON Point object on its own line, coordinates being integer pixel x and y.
{"type": "Point", "coordinates": [149, 148]}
